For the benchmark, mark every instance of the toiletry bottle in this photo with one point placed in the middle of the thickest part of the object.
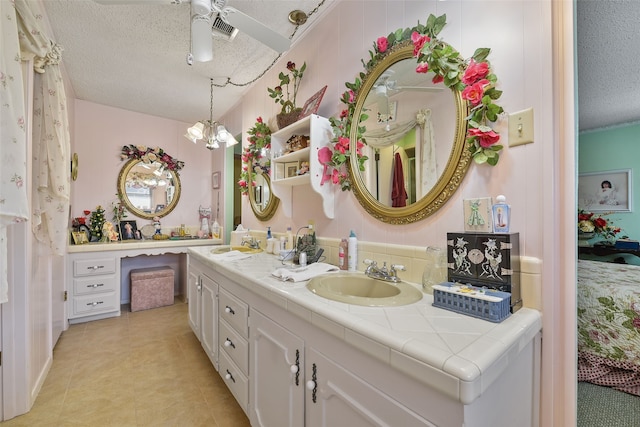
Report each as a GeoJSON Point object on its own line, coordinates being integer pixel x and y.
{"type": "Point", "coordinates": [352, 252]}
{"type": "Point", "coordinates": [501, 215]}
{"type": "Point", "coordinates": [289, 238]}
{"type": "Point", "coordinates": [215, 229]}
{"type": "Point", "coordinates": [269, 233]}
{"type": "Point", "coordinates": [343, 249]}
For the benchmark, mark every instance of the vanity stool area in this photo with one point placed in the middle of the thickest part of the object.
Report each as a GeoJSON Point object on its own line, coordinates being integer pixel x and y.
{"type": "Point", "coordinates": [98, 276]}
{"type": "Point", "coordinates": [151, 288]}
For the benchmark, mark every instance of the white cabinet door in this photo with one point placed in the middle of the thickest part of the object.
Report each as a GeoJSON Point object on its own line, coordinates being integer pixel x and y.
{"type": "Point", "coordinates": [277, 374]}
{"type": "Point", "coordinates": [209, 318]}
{"type": "Point", "coordinates": [193, 298]}
{"type": "Point", "coordinates": [335, 397]}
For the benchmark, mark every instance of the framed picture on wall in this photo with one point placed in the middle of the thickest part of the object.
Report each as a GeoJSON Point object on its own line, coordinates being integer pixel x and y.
{"type": "Point", "coordinates": [607, 191]}
{"type": "Point", "coordinates": [477, 215]}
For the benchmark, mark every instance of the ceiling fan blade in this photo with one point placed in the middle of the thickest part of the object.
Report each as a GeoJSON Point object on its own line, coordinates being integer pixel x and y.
{"type": "Point", "coordinates": [255, 29]}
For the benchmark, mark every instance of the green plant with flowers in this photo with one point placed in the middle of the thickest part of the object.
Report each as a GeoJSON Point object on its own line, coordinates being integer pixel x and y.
{"type": "Point", "coordinates": [149, 155]}
{"type": "Point", "coordinates": [588, 222]}
{"type": "Point", "coordinates": [473, 78]}
{"type": "Point", "coordinates": [282, 94]}
{"type": "Point", "coordinates": [255, 154]}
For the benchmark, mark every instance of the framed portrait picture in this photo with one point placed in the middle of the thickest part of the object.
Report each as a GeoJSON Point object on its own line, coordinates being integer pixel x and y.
{"type": "Point", "coordinates": [291, 169]}
{"type": "Point", "coordinates": [391, 115]}
{"type": "Point", "coordinates": [128, 230]}
{"type": "Point", "coordinates": [279, 171]}
{"type": "Point", "coordinates": [607, 191]}
{"type": "Point", "coordinates": [215, 180]}
{"type": "Point", "coordinates": [79, 237]}
{"type": "Point", "coordinates": [477, 214]}
{"type": "Point", "coordinates": [312, 104]}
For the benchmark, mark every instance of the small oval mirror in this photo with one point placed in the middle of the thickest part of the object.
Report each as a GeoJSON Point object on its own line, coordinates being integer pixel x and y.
{"type": "Point", "coordinates": [263, 203]}
{"type": "Point", "coordinates": [148, 190]}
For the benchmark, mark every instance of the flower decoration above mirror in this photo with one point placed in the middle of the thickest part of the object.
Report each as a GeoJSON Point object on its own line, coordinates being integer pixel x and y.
{"type": "Point", "coordinates": [149, 155]}
{"type": "Point", "coordinates": [473, 78]}
{"type": "Point", "coordinates": [256, 154]}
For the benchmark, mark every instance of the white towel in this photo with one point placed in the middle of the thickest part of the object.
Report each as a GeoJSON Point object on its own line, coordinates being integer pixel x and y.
{"type": "Point", "coordinates": [231, 256]}
{"type": "Point", "coordinates": [307, 272]}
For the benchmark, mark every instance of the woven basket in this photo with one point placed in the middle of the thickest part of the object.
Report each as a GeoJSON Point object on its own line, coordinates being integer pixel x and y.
{"type": "Point", "coordinates": [288, 115]}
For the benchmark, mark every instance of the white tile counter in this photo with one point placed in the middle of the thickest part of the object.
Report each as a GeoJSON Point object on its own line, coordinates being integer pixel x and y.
{"type": "Point", "coordinates": [458, 355]}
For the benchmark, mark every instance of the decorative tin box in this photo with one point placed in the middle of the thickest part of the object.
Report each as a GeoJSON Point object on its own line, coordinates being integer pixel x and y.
{"type": "Point", "coordinates": [490, 305]}
{"type": "Point", "coordinates": [486, 260]}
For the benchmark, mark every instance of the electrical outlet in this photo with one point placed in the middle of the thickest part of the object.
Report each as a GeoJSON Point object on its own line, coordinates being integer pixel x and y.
{"type": "Point", "coordinates": [311, 224]}
{"type": "Point", "coordinates": [521, 127]}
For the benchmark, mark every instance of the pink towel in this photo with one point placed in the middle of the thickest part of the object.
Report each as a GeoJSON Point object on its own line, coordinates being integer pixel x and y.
{"type": "Point", "coordinates": [398, 192]}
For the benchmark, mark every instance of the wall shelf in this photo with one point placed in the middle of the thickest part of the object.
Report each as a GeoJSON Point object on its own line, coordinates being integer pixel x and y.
{"type": "Point", "coordinates": [320, 134]}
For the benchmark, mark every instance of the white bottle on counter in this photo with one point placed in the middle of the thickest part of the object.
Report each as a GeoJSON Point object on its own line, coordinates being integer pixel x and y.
{"type": "Point", "coordinates": [352, 252]}
{"type": "Point", "coordinates": [289, 239]}
{"type": "Point", "coordinates": [501, 215]}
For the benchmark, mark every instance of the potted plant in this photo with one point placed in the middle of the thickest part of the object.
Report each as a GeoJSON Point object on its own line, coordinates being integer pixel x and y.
{"type": "Point", "coordinates": [286, 96]}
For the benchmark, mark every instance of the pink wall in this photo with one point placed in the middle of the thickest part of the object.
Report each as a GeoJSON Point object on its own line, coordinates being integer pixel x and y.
{"type": "Point", "coordinates": [99, 133]}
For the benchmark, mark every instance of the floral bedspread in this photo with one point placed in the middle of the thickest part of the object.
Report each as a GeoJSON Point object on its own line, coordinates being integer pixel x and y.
{"type": "Point", "coordinates": [609, 325]}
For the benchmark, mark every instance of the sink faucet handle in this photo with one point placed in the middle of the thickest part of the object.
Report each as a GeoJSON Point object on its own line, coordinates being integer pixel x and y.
{"type": "Point", "coordinates": [398, 267]}
{"type": "Point", "coordinates": [369, 262]}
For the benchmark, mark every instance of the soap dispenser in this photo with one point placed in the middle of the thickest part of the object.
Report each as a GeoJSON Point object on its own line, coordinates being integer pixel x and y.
{"type": "Point", "coordinates": [501, 215]}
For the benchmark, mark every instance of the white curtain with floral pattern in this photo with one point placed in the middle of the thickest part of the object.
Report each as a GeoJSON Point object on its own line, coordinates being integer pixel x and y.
{"type": "Point", "coordinates": [14, 201]}
{"type": "Point", "coordinates": [51, 141]}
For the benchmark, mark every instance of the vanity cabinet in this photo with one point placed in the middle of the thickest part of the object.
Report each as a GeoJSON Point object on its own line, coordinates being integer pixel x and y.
{"type": "Point", "coordinates": [95, 289]}
{"type": "Point", "coordinates": [234, 345]}
{"type": "Point", "coordinates": [203, 310]}
{"type": "Point", "coordinates": [319, 131]}
{"type": "Point", "coordinates": [293, 385]}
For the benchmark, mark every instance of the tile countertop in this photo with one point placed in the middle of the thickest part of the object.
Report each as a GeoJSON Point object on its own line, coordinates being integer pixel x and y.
{"type": "Point", "coordinates": [458, 355]}
{"type": "Point", "coordinates": [141, 244]}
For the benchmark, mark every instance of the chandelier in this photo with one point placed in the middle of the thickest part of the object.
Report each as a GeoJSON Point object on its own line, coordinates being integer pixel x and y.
{"type": "Point", "coordinates": [212, 132]}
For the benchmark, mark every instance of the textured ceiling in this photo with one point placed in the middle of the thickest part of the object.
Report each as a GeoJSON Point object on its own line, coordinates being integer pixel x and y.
{"type": "Point", "coordinates": [133, 56]}
{"type": "Point", "coordinates": [608, 44]}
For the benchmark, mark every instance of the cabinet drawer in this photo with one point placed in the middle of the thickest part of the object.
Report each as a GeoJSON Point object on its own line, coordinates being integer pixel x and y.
{"type": "Point", "coordinates": [234, 345]}
{"type": "Point", "coordinates": [95, 266]}
{"type": "Point", "coordinates": [94, 285]}
{"type": "Point", "coordinates": [235, 312]}
{"type": "Point", "coordinates": [93, 304]}
{"type": "Point", "coordinates": [235, 380]}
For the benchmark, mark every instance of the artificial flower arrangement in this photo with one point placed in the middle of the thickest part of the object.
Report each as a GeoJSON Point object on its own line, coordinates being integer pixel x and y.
{"type": "Point", "coordinates": [473, 78]}
{"type": "Point", "coordinates": [278, 93]}
{"type": "Point", "coordinates": [253, 154]}
{"type": "Point", "coordinates": [150, 155]}
{"type": "Point", "coordinates": [588, 222]}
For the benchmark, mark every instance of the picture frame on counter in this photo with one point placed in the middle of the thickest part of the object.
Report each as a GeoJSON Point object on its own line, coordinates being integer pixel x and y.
{"type": "Point", "coordinates": [291, 169]}
{"type": "Point", "coordinates": [79, 237]}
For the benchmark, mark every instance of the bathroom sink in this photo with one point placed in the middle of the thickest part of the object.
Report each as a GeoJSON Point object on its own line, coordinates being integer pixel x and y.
{"type": "Point", "coordinates": [244, 249]}
{"type": "Point", "coordinates": [358, 289]}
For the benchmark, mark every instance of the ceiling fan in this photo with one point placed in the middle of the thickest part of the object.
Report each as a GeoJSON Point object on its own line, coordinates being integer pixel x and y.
{"type": "Point", "coordinates": [385, 87]}
{"type": "Point", "coordinates": [209, 17]}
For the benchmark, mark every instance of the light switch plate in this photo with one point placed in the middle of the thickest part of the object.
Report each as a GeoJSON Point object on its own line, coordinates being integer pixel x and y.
{"type": "Point", "coordinates": [521, 127]}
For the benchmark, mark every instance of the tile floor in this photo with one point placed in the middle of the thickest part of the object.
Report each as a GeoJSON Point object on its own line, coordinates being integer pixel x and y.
{"type": "Point", "coordinates": [140, 369]}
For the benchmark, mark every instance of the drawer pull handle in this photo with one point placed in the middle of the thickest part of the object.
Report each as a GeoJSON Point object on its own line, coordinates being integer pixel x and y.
{"type": "Point", "coordinates": [95, 267]}
{"type": "Point", "coordinates": [229, 343]}
{"type": "Point", "coordinates": [295, 369]}
{"type": "Point", "coordinates": [312, 384]}
{"type": "Point", "coordinates": [93, 304]}
{"type": "Point", "coordinates": [229, 376]}
{"type": "Point", "coordinates": [229, 310]}
{"type": "Point", "coordinates": [95, 285]}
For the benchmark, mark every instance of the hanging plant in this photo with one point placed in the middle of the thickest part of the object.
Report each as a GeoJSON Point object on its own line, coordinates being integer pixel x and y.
{"type": "Point", "coordinates": [256, 154]}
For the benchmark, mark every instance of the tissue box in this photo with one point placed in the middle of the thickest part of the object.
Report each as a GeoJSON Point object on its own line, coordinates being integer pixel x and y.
{"type": "Point", "coordinates": [486, 260]}
{"type": "Point", "coordinates": [493, 306]}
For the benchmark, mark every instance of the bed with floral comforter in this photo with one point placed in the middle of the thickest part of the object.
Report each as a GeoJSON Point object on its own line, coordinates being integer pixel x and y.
{"type": "Point", "coordinates": [609, 325]}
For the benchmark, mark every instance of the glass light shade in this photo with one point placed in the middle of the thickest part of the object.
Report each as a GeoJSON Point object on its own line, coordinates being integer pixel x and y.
{"type": "Point", "coordinates": [221, 133]}
{"type": "Point", "coordinates": [195, 132]}
{"type": "Point", "coordinates": [201, 7]}
{"type": "Point", "coordinates": [201, 39]}
{"type": "Point", "coordinates": [190, 138]}
{"type": "Point", "coordinates": [158, 172]}
{"type": "Point", "coordinates": [231, 141]}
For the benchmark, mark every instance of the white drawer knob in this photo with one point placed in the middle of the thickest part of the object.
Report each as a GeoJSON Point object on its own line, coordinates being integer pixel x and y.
{"type": "Point", "coordinates": [228, 376]}
{"type": "Point", "coordinates": [227, 343]}
{"type": "Point", "coordinates": [294, 369]}
{"type": "Point", "coordinates": [311, 385]}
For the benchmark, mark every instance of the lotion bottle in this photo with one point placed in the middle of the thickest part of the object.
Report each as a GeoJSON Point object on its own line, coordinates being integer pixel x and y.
{"type": "Point", "coordinates": [501, 215]}
{"type": "Point", "coordinates": [343, 251]}
{"type": "Point", "coordinates": [289, 239]}
{"type": "Point", "coordinates": [352, 252]}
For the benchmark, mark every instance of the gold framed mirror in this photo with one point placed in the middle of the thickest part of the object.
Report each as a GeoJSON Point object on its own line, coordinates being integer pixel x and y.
{"type": "Point", "coordinates": [429, 150]}
{"type": "Point", "coordinates": [263, 202]}
{"type": "Point", "coordinates": [148, 190]}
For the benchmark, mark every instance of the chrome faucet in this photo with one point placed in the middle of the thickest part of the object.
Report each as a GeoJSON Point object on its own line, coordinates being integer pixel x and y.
{"type": "Point", "coordinates": [382, 273]}
{"type": "Point", "coordinates": [250, 241]}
